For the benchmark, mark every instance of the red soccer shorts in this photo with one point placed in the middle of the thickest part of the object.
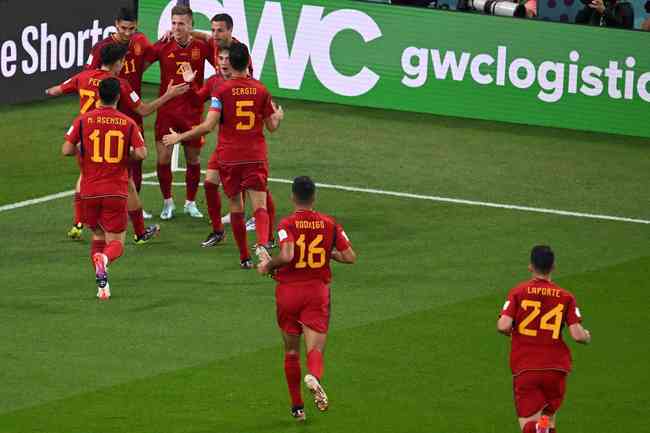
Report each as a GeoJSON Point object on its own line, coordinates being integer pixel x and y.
{"type": "Point", "coordinates": [109, 213]}
{"type": "Point", "coordinates": [179, 122]}
{"type": "Point", "coordinates": [242, 177]}
{"type": "Point", "coordinates": [539, 389]}
{"type": "Point", "coordinates": [303, 303]}
{"type": "Point", "coordinates": [213, 162]}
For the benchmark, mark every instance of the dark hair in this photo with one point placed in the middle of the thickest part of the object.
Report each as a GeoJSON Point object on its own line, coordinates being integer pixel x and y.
{"type": "Point", "coordinates": [303, 189]}
{"type": "Point", "coordinates": [182, 10]}
{"type": "Point", "coordinates": [225, 18]}
{"type": "Point", "coordinates": [126, 14]}
{"type": "Point", "coordinates": [647, 6]}
{"type": "Point", "coordinates": [109, 90]}
{"type": "Point", "coordinates": [239, 57]}
{"type": "Point", "coordinates": [542, 258]}
{"type": "Point", "coordinates": [112, 53]}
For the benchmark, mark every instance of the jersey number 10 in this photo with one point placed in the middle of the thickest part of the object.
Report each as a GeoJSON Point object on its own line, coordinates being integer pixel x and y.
{"type": "Point", "coordinates": [112, 137]}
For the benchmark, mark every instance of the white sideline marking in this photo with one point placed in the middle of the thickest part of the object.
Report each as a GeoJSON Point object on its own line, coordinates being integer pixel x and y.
{"type": "Point", "coordinates": [377, 192]}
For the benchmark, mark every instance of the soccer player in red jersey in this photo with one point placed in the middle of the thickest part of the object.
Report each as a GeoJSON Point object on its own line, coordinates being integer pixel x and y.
{"type": "Point", "coordinates": [105, 139]}
{"type": "Point", "coordinates": [134, 65]}
{"type": "Point", "coordinates": [533, 316]}
{"type": "Point", "coordinates": [86, 84]}
{"type": "Point", "coordinates": [243, 106]}
{"type": "Point", "coordinates": [309, 240]}
{"type": "Point", "coordinates": [179, 114]}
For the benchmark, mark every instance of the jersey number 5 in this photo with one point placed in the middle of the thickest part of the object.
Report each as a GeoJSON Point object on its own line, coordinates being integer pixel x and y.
{"type": "Point", "coordinates": [312, 251]}
{"type": "Point", "coordinates": [111, 137]}
{"type": "Point", "coordinates": [551, 321]}
{"type": "Point", "coordinates": [248, 115]}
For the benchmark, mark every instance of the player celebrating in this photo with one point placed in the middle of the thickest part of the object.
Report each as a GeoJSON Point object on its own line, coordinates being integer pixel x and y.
{"type": "Point", "coordinates": [308, 241]}
{"type": "Point", "coordinates": [106, 139]}
{"type": "Point", "coordinates": [179, 114]}
{"type": "Point", "coordinates": [134, 65]}
{"type": "Point", "coordinates": [86, 84]}
{"type": "Point", "coordinates": [244, 107]}
{"type": "Point", "coordinates": [534, 316]}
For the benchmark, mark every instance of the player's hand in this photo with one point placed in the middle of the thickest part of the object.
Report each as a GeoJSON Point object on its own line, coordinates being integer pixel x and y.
{"type": "Point", "coordinates": [188, 73]}
{"type": "Point", "coordinates": [264, 268]}
{"type": "Point", "coordinates": [279, 112]}
{"type": "Point", "coordinates": [175, 90]}
{"type": "Point", "coordinates": [172, 138]}
{"type": "Point", "coordinates": [167, 36]}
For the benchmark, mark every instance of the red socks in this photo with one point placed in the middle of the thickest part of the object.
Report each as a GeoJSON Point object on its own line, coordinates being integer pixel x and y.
{"type": "Point", "coordinates": [96, 247]}
{"type": "Point", "coordinates": [270, 208]}
{"type": "Point", "coordinates": [239, 232]}
{"type": "Point", "coordinates": [136, 174]}
{"type": "Point", "coordinates": [192, 179]}
{"type": "Point", "coordinates": [165, 179]}
{"type": "Point", "coordinates": [113, 250]}
{"type": "Point", "coordinates": [315, 363]}
{"type": "Point", "coordinates": [294, 376]}
{"type": "Point", "coordinates": [138, 221]}
{"type": "Point", "coordinates": [77, 208]}
{"type": "Point", "coordinates": [262, 226]}
{"type": "Point", "coordinates": [530, 427]}
{"type": "Point", "coordinates": [213, 199]}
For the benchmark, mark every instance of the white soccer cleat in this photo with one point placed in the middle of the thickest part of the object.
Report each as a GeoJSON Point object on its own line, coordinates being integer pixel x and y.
{"type": "Point", "coordinates": [146, 215]}
{"type": "Point", "coordinates": [317, 391]}
{"type": "Point", "coordinates": [225, 219]}
{"type": "Point", "coordinates": [168, 209]}
{"type": "Point", "coordinates": [191, 209]}
{"type": "Point", "coordinates": [250, 225]}
{"type": "Point", "coordinates": [104, 294]}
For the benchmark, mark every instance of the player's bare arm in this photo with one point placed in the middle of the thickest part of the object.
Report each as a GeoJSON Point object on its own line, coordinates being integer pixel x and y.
{"type": "Point", "coordinates": [285, 257]}
{"type": "Point", "coordinates": [209, 123]}
{"type": "Point", "coordinates": [504, 324]}
{"type": "Point", "coordinates": [173, 90]}
{"type": "Point", "coordinates": [139, 153]}
{"type": "Point", "coordinates": [54, 91]}
{"type": "Point", "coordinates": [273, 121]}
{"type": "Point", "coordinates": [347, 256]}
{"type": "Point", "coordinates": [580, 334]}
{"type": "Point", "coordinates": [68, 149]}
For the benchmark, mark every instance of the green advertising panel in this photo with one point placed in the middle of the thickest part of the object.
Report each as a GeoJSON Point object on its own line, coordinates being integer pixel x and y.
{"type": "Point", "coordinates": [439, 62]}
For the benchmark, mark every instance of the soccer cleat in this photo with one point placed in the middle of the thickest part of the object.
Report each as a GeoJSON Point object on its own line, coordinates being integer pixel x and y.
{"type": "Point", "coordinates": [76, 231]}
{"type": "Point", "coordinates": [101, 275]}
{"type": "Point", "coordinates": [250, 225]}
{"type": "Point", "coordinates": [168, 209]}
{"type": "Point", "coordinates": [246, 264]}
{"type": "Point", "coordinates": [262, 253]}
{"type": "Point", "coordinates": [543, 425]}
{"type": "Point", "coordinates": [149, 233]}
{"type": "Point", "coordinates": [191, 209]}
{"type": "Point", "coordinates": [298, 412]}
{"type": "Point", "coordinates": [316, 389]}
{"type": "Point", "coordinates": [146, 215]}
{"type": "Point", "coordinates": [213, 239]}
{"type": "Point", "coordinates": [225, 219]}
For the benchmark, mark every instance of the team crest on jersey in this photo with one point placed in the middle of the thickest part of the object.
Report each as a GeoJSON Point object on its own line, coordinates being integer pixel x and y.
{"type": "Point", "coordinates": [137, 49]}
{"type": "Point", "coordinates": [196, 54]}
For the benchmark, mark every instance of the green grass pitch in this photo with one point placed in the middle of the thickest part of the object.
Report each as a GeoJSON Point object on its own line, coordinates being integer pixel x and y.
{"type": "Point", "coordinates": [189, 342]}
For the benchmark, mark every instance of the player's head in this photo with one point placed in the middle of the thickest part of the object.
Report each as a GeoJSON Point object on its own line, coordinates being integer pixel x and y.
{"type": "Point", "coordinates": [239, 57]}
{"type": "Point", "coordinates": [182, 19]}
{"type": "Point", "coordinates": [224, 62]}
{"type": "Point", "coordinates": [222, 29]}
{"type": "Point", "coordinates": [542, 259]}
{"type": "Point", "coordinates": [126, 23]}
{"type": "Point", "coordinates": [112, 56]}
{"type": "Point", "coordinates": [304, 191]}
{"type": "Point", "coordinates": [109, 91]}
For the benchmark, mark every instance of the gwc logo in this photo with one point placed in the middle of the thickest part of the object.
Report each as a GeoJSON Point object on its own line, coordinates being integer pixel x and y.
{"type": "Point", "coordinates": [312, 42]}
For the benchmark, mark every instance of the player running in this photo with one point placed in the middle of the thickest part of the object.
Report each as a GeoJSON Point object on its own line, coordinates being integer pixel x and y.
{"type": "Point", "coordinates": [86, 84]}
{"type": "Point", "coordinates": [309, 240]}
{"type": "Point", "coordinates": [104, 138]}
{"type": "Point", "coordinates": [134, 65]}
{"type": "Point", "coordinates": [179, 114]}
{"type": "Point", "coordinates": [243, 106]}
{"type": "Point", "coordinates": [534, 315]}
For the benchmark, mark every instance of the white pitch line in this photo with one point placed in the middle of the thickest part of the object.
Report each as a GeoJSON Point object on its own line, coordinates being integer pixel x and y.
{"type": "Point", "coordinates": [459, 201]}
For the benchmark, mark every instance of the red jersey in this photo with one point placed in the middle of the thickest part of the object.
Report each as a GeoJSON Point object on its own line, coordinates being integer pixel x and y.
{"type": "Point", "coordinates": [105, 135]}
{"type": "Point", "coordinates": [86, 84]}
{"type": "Point", "coordinates": [210, 86]}
{"type": "Point", "coordinates": [244, 104]}
{"type": "Point", "coordinates": [540, 310]}
{"type": "Point", "coordinates": [171, 55]}
{"type": "Point", "coordinates": [214, 51]}
{"type": "Point", "coordinates": [314, 236]}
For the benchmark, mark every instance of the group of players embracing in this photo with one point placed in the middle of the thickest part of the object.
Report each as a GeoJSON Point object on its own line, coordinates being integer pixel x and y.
{"type": "Point", "coordinates": [107, 139]}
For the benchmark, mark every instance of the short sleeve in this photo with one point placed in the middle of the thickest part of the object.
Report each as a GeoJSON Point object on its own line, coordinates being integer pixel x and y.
{"type": "Point", "coordinates": [510, 307]}
{"type": "Point", "coordinates": [137, 140]}
{"type": "Point", "coordinates": [129, 96]}
{"type": "Point", "coordinates": [152, 52]}
{"type": "Point", "coordinates": [74, 132]}
{"type": "Point", "coordinates": [342, 240]}
{"type": "Point", "coordinates": [268, 109]}
{"type": "Point", "coordinates": [573, 313]}
{"type": "Point", "coordinates": [94, 60]}
{"type": "Point", "coordinates": [216, 100]}
{"type": "Point", "coordinates": [284, 233]}
{"type": "Point", "coordinates": [71, 85]}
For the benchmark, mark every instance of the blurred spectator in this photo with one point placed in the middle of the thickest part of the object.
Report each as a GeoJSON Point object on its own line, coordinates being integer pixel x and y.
{"type": "Point", "coordinates": [606, 13]}
{"type": "Point", "coordinates": [531, 8]}
{"type": "Point", "coordinates": [645, 25]}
